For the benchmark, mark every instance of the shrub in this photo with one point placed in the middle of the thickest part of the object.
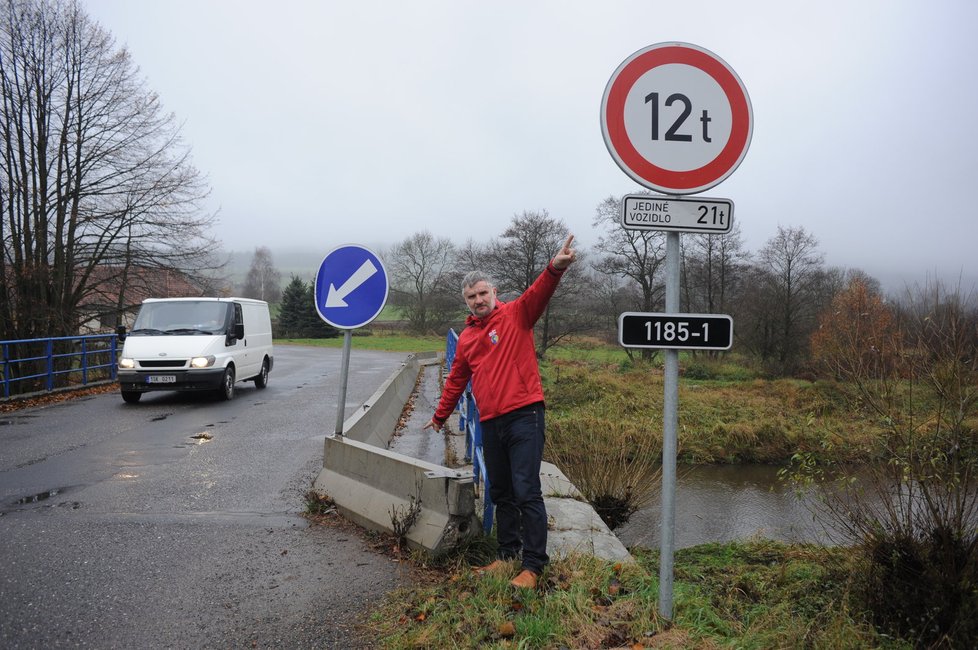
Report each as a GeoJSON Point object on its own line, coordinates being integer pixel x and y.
{"type": "Point", "coordinates": [913, 513]}
{"type": "Point", "coordinates": [614, 464]}
{"type": "Point", "coordinates": [924, 588]}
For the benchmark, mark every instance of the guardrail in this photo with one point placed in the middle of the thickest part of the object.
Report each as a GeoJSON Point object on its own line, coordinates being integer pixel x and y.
{"type": "Point", "coordinates": [468, 422]}
{"type": "Point", "coordinates": [58, 362]}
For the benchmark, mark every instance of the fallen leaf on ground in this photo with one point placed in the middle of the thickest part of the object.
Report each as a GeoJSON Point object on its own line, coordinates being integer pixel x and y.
{"type": "Point", "coordinates": [507, 629]}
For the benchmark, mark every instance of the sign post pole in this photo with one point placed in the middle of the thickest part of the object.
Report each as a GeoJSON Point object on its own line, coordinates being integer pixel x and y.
{"type": "Point", "coordinates": [344, 376]}
{"type": "Point", "coordinates": [670, 426]}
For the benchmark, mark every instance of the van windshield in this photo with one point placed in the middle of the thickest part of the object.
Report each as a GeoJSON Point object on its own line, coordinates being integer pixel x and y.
{"type": "Point", "coordinates": [183, 317]}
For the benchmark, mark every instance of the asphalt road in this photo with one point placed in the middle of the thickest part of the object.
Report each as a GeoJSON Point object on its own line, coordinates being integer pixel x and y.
{"type": "Point", "coordinates": [173, 523]}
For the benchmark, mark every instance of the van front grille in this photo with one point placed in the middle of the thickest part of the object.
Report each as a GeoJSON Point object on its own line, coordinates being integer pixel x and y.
{"type": "Point", "coordinates": [163, 363]}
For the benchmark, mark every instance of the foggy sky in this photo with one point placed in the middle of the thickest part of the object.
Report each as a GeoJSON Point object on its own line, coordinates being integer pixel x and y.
{"type": "Point", "coordinates": [326, 123]}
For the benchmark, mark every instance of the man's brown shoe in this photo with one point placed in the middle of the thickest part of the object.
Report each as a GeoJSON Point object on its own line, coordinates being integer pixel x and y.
{"type": "Point", "coordinates": [496, 566]}
{"type": "Point", "coordinates": [525, 580]}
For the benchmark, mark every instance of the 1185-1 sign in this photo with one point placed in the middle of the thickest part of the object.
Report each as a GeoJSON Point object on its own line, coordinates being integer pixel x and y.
{"type": "Point", "coordinates": [675, 331]}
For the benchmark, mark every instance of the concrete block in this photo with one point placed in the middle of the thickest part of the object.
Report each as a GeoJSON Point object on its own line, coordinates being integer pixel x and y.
{"type": "Point", "coordinates": [373, 421]}
{"type": "Point", "coordinates": [555, 484]}
{"type": "Point", "coordinates": [372, 486]}
{"type": "Point", "coordinates": [577, 528]}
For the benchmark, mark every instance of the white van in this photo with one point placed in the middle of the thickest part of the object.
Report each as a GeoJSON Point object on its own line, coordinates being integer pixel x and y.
{"type": "Point", "coordinates": [196, 344]}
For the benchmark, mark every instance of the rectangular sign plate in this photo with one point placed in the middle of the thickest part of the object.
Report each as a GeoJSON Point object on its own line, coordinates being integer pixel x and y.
{"type": "Point", "coordinates": [682, 214]}
{"type": "Point", "coordinates": [161, 379]}
{"type": "Point", "coordinates": [675, 331]}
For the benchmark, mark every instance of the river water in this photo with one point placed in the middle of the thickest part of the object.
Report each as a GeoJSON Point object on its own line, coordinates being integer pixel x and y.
{"type": "Point", "coordinates": [720, 503]}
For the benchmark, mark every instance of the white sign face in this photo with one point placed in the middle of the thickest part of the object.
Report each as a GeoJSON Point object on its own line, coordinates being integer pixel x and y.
{"type": "Point", "coordinates": [676, 118]}
{"type": "Point", "coordinates": [680, 214]}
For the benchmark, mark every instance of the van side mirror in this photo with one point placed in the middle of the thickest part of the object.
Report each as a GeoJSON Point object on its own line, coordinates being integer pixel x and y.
{"type": "Point", "coordinates": [120, 331]}
{"type": "Point", "coordinates": [239, 331]}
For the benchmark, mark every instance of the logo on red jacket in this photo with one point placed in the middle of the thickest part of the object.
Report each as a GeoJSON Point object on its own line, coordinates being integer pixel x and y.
{"type": "Point", "coordinates": [494, 337]}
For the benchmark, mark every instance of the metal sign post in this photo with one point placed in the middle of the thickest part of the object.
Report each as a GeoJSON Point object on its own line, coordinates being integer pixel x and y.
{"type": "Point", "coordinates": [344, 377]}
{"type": "Point", "coordinates": [670, 427]}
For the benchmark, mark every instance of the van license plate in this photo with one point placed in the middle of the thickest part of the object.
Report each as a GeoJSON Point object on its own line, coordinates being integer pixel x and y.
{"type": "Point", "coordinates": [161, 379]}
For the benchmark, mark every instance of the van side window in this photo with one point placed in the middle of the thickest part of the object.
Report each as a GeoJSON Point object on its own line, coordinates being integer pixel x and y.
{"type": "Point", "coordinates": [238, 316]}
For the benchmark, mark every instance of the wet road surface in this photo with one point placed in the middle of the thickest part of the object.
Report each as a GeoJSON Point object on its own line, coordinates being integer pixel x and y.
{"type": "Point", "coordinates": [174, 523]}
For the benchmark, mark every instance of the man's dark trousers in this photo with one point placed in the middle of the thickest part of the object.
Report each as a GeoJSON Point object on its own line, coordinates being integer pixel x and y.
{"type": "Point", "coordinates": [513, 448]}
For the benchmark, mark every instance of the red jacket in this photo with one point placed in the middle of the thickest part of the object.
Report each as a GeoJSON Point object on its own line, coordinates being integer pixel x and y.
{"type": "Point", "coordinates": [497, 352]}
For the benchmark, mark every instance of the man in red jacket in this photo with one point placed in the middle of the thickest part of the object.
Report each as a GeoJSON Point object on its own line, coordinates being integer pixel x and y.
{"type": "Point", "coordinates": [496, 351]}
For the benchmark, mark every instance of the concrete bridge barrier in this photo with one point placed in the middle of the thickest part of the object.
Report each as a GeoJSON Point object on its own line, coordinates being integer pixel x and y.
{"type": "Point", "coordinates": [383, 490]}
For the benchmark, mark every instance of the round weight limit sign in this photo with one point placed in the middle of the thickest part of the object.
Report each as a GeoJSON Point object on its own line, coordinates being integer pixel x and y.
{"type": "Point", "coordinates": [676, 118]}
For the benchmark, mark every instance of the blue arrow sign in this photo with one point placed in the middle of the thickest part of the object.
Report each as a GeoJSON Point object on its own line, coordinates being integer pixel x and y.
{"type": "Point", "coordinates": [351, 287]}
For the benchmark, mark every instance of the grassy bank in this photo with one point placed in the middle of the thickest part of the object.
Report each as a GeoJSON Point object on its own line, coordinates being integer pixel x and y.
{"type": "Point", "coordinates": [757, 594]}
{"type": "Point", "coordinates": [732, 417]}
{"type": "Point", "coordinates": [604, 416]}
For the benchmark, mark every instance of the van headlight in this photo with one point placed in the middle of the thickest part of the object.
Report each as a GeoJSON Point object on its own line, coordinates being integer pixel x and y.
{"type": "Point", "coordinates": [202, 362]}
{"type": "Point", "coordinates": [127, 363]}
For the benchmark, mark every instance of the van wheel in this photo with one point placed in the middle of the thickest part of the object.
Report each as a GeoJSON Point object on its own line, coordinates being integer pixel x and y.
{"type": "Point", "coordinates": [261, 380]}
{"type": "Point", "coordinates": [227, 384]}
{"type": "Point", "coordinates": [131, 396]}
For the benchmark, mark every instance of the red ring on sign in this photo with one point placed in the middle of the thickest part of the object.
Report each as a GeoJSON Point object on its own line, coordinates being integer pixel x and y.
{"type": "Point", "coordinates": [689, 180]}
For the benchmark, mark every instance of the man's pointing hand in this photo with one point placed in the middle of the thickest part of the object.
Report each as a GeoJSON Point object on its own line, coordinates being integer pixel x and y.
{"type": "Point", "coordinates": [566, 255]}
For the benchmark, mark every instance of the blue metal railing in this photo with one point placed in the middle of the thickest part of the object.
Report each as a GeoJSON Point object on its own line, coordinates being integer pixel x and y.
{"type": "Point", "coordinates": [57, 362]}
{"type": "Point", "coordinates": [468, 422]}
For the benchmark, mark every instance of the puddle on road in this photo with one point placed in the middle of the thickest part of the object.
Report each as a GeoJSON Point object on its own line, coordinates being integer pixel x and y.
{"type": "Point", "coordinates": [41, 497]}
{"type": "Point", "coordinates": [16, 419]}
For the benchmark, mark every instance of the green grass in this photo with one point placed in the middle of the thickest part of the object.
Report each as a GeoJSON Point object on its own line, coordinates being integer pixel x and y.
{"type": "Point", "coordinates": [757, 594]}
{"type": "Point", "coordinates": [721, 420]}
{"type": "Point", "coordinates": [727, 414]}
{"type": "Point", "coordinates": [378, 340]}
{"type": "Point", "coordinates": [583, 349]}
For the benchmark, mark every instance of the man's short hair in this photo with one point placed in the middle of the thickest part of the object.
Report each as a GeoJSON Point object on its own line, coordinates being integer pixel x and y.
{"type": "Point", "coordinates": [473, 278]}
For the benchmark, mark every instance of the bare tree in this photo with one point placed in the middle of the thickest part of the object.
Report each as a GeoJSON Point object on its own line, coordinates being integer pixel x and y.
{"type": "Point", "coordinates": [524, 249]}
{"type": "Point", "coordinates": [422, 271]}
{"type": "Point", "coordinates": [518, 257]}
{"type": "Point", "coordinates": [712, 270]}
{"type": "Point", "coordinates": [638, 256]}
{"type": "Point", "coordinates": [264, 281]}
{"type": "Point", "coordinates": [473, 255]}
{"type": "Point", "coordinates": [790, 275]}
{"type": "Point", "coordinates": [610, 296]}
{"type": "Point", "coordinates": [94, 179]}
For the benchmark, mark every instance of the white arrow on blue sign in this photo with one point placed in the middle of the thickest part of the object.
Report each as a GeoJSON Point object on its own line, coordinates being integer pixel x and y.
{"type": "Point", "coordinates": [351, 287]}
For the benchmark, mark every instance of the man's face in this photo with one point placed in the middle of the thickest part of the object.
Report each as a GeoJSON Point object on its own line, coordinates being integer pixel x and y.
{"type": "Point", "coordinates": [480, 298]}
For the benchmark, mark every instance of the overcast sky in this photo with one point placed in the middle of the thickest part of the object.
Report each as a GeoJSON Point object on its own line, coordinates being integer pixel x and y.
{"type": "Point", "coordinates": [327, 123]}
